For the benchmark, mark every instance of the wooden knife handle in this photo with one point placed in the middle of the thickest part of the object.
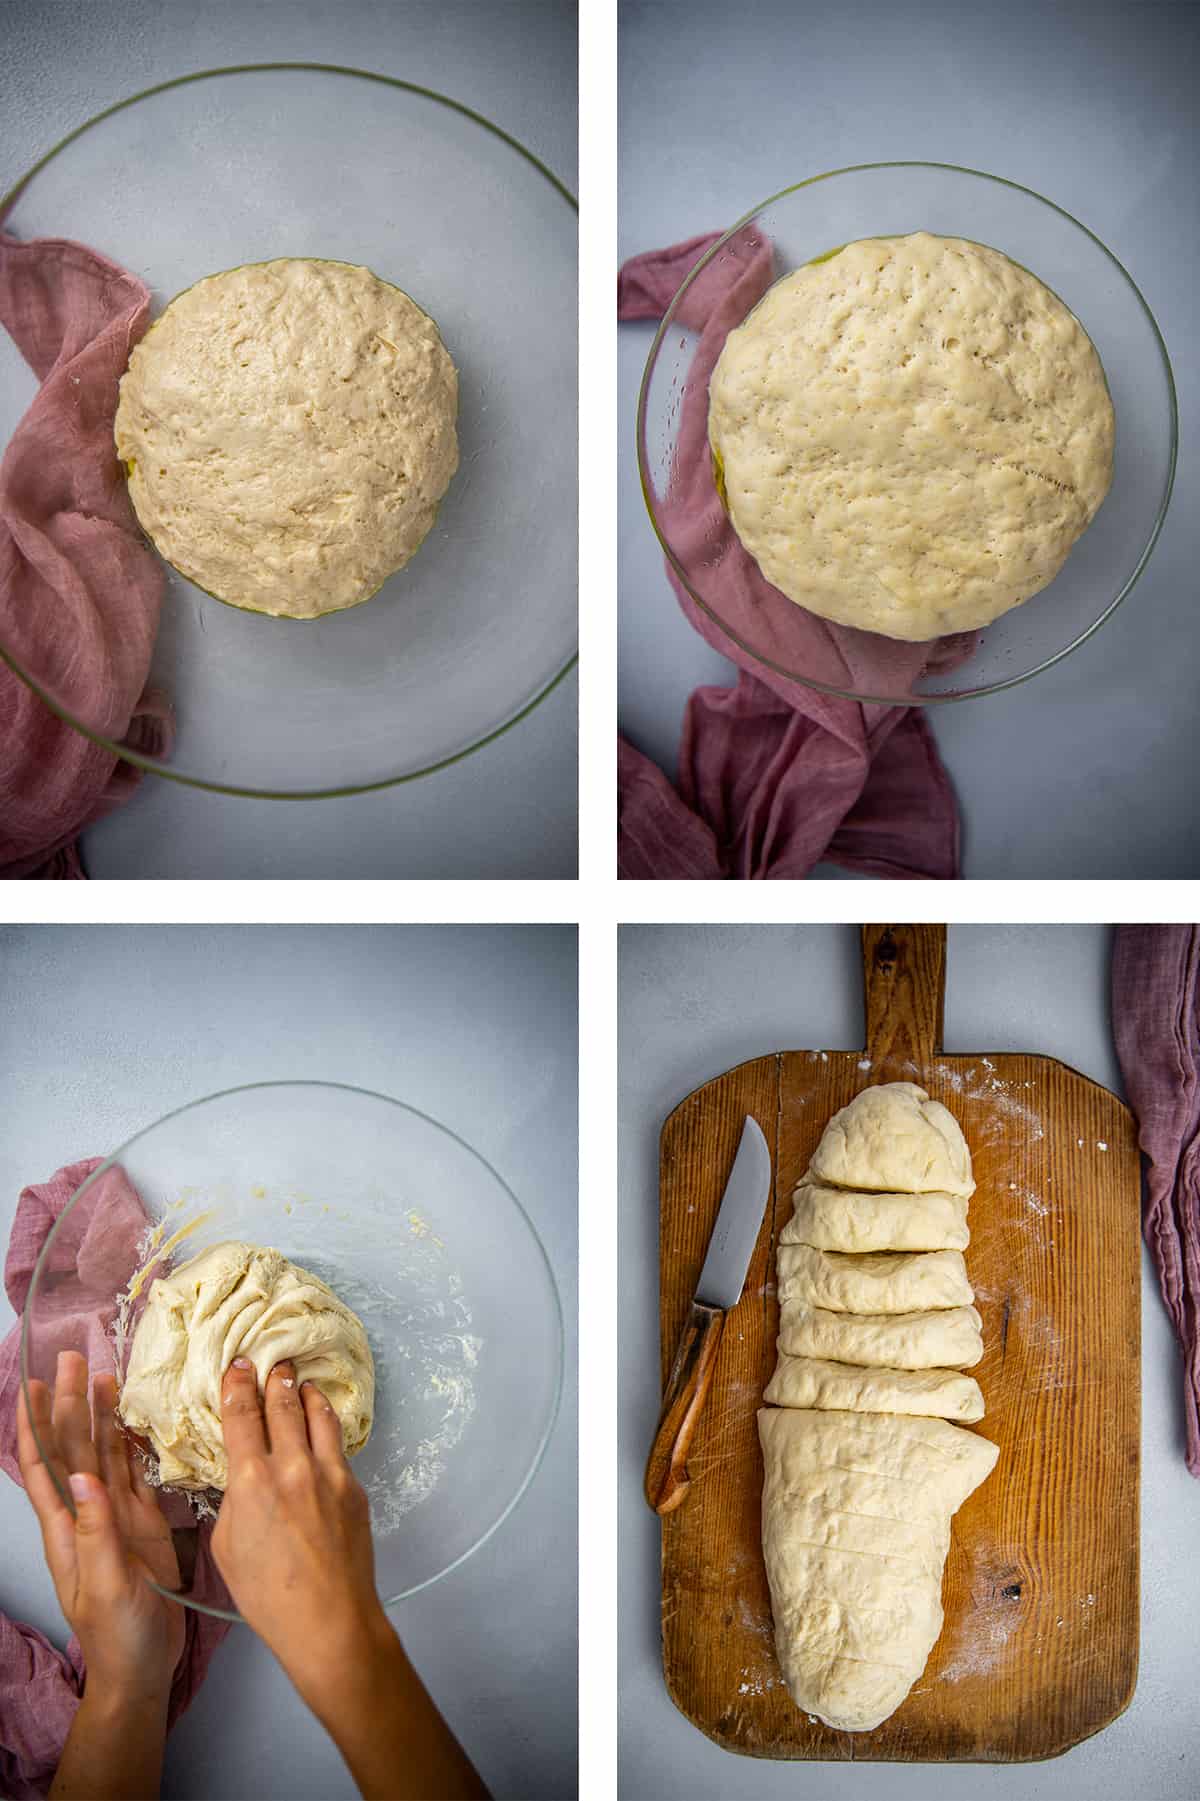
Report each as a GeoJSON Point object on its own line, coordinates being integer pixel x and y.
{"type": "Point", "coordinates": [667, 1480]}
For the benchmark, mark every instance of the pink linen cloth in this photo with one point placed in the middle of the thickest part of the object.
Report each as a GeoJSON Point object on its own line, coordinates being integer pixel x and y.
{"type": "Point", "coordinates": [80, 591]}
{"type": "Point", "coordinates": [91, 1260]}
{"type": "Point", "coordinates": [1156, 1024]}
{"type": "Point", "coordinates": [773, 776]}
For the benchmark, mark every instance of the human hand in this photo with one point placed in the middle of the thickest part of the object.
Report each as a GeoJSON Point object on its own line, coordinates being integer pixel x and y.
{"type": "Point", "coordinates": [293, 1542]}
{"type": "Point", "coordinates": [293, 1537]}
{"type": "Point", "coordinates": [132, 1637]}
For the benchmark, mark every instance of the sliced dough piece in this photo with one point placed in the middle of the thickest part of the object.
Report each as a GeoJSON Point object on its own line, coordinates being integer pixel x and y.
{"type": "Point", "coordinates": [855, 1621]}
{"type": "Point", "coordinates": [904, 1283]}
{"type": "Point", "coordinates": [947, 1338]}
{"type": "Point", "coordinates": [846, 1219]}
{"type": "Point", "coordinates": [894, 1139]}
{"type": "Point", "coordinates": [846, 1388]}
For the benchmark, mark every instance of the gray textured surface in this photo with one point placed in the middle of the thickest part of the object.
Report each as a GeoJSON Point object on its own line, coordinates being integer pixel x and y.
{"type": "Point", "coordinates": [695, 1001]}
{"type": "Point", "coordinates": [107, 1029]}
{"type": "Point", "coordinates": [509, 810]}
{"type": "Point", "coordinates": [1084, 770]}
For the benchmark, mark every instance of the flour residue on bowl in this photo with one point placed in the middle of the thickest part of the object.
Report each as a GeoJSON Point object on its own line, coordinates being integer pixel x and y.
{"type": "Point", "coordinates": [424, 1369]}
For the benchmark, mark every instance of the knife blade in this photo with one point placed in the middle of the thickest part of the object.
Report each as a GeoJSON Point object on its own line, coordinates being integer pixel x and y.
{"type": "Point", "coordinates": [722, 1278]}
{"type": "Point", "coordinates": [735, 1234]}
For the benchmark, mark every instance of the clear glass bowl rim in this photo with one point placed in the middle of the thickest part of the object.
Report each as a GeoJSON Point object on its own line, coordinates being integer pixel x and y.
{"type": "Point", "coordinates": [222, 1094]}
{"type": "Point", "coordinates": [886, 700]}
{"type": "Point", "coordinates": [125, 752]}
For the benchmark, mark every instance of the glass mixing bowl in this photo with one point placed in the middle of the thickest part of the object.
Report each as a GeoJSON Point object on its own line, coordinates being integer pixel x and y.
{"type": "Point", "coordinates": [410, 1227]}
{"type": "Point", "coordinates": [893, 199]}
{"type": "Point", "coordinates": [238, 166]}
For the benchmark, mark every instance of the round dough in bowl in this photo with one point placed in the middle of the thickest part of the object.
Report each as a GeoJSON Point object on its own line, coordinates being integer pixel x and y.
{"type": "Point", "coordinates": [910, 434]}
{"type": "Point", "coordinates": [288, 429]}
{"type": "Point", "coordinates": [237, 1300]}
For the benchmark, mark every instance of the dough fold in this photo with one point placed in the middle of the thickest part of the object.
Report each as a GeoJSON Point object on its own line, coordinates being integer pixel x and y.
{"type": "Point", "coordinates": [237, 1300]}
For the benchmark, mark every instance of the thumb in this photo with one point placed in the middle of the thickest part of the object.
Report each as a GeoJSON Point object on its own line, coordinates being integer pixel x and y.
{"type": "Point", "coordinates": [99, 1551]}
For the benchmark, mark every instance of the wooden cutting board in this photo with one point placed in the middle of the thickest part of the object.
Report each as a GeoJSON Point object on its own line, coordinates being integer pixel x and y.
{"type": "Point", "coordinates": [1040, 1644]}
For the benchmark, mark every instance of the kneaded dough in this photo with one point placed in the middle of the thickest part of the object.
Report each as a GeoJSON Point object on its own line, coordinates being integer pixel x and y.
{"type": "Point", "coordinates": [238, 1300]}
{"type": "Point", "coordinates": [894, 1138]}
{"type": "Point", "coordinates": [288, 429]}
{"type": "Point", "coordinates": [856, 1523]}
{"type": "Point", "coordinates": [904, 1283]}
{"type": "Point", "coordinates": [847, 1388]}
{"type": "Point", "coordinates": [845, 1219]}
{"type": "Point", "coordinates": [911, 434]}
{"type": "Point", "coordinates": [946, 1337]}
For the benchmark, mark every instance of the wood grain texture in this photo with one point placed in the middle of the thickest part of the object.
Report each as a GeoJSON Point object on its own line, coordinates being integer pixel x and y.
{"type": "Point", "coordinates": [1040, 1643]}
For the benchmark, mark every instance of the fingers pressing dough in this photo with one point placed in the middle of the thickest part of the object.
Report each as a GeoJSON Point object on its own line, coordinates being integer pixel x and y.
{"type": "Point", "coordinates": [238, 1300]}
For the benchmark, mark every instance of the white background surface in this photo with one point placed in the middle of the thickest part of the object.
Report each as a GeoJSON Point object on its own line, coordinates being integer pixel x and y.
{"type": "Point", "coordinates": [1086, 770]}
{"type": "Point", "coordinates": [510, 809]}
{"type": "Point", "coordinates": [106, 1029]}
{"type": "Point", "coordinates": [694, 1002]}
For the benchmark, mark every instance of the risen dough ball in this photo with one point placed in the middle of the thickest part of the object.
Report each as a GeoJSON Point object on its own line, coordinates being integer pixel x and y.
{"type": "Point", "coordinates": [288, 429]}
{"type": "Point", "coordinates": [911, 434]}
{"type": "Point", "coordinates": [238, 1300]}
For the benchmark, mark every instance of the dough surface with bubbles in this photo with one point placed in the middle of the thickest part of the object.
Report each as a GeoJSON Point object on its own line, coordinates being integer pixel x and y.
{"type": "Point", "coordinates": [288, 429]}
{"type": "Point", "coordinates": [911, 434]}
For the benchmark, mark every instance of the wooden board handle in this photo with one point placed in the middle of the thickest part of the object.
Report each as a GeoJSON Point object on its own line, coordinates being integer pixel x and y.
{"type": "Point", "coordinates": [904, 976]}
{"type": "Point", "coordinates": [667, 1479]}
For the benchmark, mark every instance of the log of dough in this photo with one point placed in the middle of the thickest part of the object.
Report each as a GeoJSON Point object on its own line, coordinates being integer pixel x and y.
{"type": "Point", "coordinates": [238, 1300]}
{"type": "Point", "coordinates": [814, 1382]}
{"type": "Point", "coordinates": [947, 1338]}
{"type": "Point", "coordinates": [856, 1518]}
{"type": "Point", "coordinates": [904, 1283]}
{"type": "Point", "coordinates": [893, 1138]}
{"type": "Point", "coordinates": [846, 1219]}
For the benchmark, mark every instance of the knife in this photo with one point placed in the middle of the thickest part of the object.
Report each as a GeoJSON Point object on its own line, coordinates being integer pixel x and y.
{"type": "Point", "coordinates": [721, 1282]}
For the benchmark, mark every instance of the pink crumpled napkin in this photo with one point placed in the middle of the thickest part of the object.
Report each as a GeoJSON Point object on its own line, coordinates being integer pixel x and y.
{"type": "Point", "coordinates": [1156, 1024]}
{"type": "Point", "coordinates": [91, 1260]}
{"type": "Point", "coordinates": [79, 589]}
{"type": "Point", "coordinates": [773, 776]}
